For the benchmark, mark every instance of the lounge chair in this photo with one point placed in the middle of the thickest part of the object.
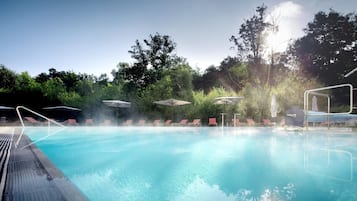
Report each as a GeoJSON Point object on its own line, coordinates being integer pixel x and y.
{"type": "Point", "coordinates": [183, 122]}
{"type": "Point", "coordinates": [267, 122]}
{"type": "Point", "coordinates": [195, 122]}
{"type": "Point", "coordinates": [141, 122]}
{"type": "Point", "coordinates": [71, 122]}
{"type": "Point", "coordinates": [282, 122]}
{"type": "Point", "coordinates": [168, 122]}
{"type": "Point", "coordinates": [212, 121]}
{"type": "Point", "coordinates": [89, 122]}
{"type": "Point", "coordinates": [106, 122]}
{"type": "Point", "coordinates": [156, 122]}
{"type": "Point", "coordinates": [128, 122]}
{"type": "Point", "coordinates": [236, 123]}
{"type": "Point", "coordinates": [32, 120]}
{"type": "Point", "coordinates": [250, 122]}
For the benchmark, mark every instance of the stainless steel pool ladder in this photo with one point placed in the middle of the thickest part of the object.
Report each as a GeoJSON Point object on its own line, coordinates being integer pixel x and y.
{"type": "Point", "coordinates": [316, 92]}
{"type": "Point", "coordinates": [49, 121]}
{"type": "Point", "coordinates": [308, 163]}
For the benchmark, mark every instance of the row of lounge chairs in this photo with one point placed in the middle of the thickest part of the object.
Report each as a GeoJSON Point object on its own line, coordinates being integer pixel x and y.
{"type": "Point", "coordinates": [129, 122]}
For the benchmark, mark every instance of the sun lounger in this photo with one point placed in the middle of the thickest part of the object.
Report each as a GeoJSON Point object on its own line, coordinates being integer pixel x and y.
{"type": "Point", "coordinates": [195, 122]}
{"type": "Point", "coordinates": [156, 122]}
{"type": "Point", "coordinates": [128, 122]}
{"type": "Point", "coordinates": [89, 122]}
{"type": "Point", "coordinates": [71, 122]}
{"type": "Point", "coordinates": [250, 122]}
{"type": "Point", "coordinates": [32, 120]}
{"type": "Point", "coordinates": [267, 122]}
{"type": "Point", "coordinates": [183, 122]}
{"type": "Point", "coordinates": [168, 122]}
{"type": "Point", "coordinates": [236, 123]}
{"type": "Point", "coordinates": [212, 121]}
{"type": "Point", "coordinates": [141, 122]}
{"type": "Point", "coordinates": [106, 122]}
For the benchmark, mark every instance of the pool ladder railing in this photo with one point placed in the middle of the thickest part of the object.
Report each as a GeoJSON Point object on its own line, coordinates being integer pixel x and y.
{"type": "Point", "coordinates": [316, 92]}
{"type": "Point", "coordinates": [49, 121]}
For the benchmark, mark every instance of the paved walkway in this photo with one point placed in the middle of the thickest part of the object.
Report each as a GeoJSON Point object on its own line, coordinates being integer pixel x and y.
{"type": "Point", "coordinates": [27, 175]}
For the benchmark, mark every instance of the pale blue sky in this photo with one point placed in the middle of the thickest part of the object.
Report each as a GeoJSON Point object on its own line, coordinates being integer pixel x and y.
{"type": "Point", "coordinates": [93, 36]}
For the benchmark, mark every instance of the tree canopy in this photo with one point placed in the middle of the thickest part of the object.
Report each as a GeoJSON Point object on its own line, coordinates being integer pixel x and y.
{"type": "Point", "coordinates": [328, 50]}
{"type": "Point", "coordinates": [321, 57]}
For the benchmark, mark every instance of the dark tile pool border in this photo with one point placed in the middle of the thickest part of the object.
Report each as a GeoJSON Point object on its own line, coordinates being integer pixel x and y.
{"type": "Point", "coordinates": [31, 176]}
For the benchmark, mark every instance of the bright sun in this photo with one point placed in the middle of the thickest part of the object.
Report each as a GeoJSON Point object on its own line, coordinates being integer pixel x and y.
{"type": "Point", "coordinates": [286, 16]}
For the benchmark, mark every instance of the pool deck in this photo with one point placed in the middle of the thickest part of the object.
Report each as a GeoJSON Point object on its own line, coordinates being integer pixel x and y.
{"type": "Point", "coordinates": [28, 175]}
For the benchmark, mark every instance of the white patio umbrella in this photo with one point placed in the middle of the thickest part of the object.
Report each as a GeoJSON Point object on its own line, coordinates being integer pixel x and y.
{"type": "Point", "coordinates": [273, 107]}
{"type": "Point", "coordinates": [62, 112]}
{"type": "Point", "coordinates": [6, 108]}
{"type": "Point", "coordinates": [314, 106]}
{"type": "Point", "coordinates": [225, 100]}
{"type": "Point", "coordinates": [61, 107]}
{"type": "Point", "coordinates": [172, 102]}
{"type": "Point", "coordinates": [117, 103]}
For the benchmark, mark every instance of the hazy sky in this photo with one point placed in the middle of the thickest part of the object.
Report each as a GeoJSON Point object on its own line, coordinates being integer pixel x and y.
{"type": "Point", "coordinates": [93, 36]}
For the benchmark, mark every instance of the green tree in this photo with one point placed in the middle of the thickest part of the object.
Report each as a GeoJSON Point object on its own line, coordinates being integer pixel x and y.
{"type": "Point", "coordinates": [71, 99]}
{"type": "Point", "coordinates": [52, 88]}
{"type": "Point", "coordinates": [250, 39]}
{"type": "Point", "coordinates": [24, 82]}
{"type": "Point", "coordinates": [7, 78]}
{"type": "Point", "coordinates": [160, 90]}
{"type": "Point", "coordinates": [151, 58]}
{"type": "Point", "coordinates": [328, 50]}
{"type": "Point", "coordinates": [203, 105]}
{"type": "Point", "coordinates": [230, 74]}
{"type": "Point", "coordinates": [208, 80]}
{"type": "Point", "coordinates": [250, 45]}
{"type": "Point", "coordinates": [181, 81]}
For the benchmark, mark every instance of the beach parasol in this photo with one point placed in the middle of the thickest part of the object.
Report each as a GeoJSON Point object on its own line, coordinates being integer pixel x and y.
{"type": "Point", "coordinates": [273, 107]}
{"type": "Point", "coordinates": [314, 106]}
{"type": "Point", "coordinates": [172, 102]}
{"type": "Point", "coordinates": [6, 111]}
{"type": "Point", "coordinates": [117, 103]}
{"type": "Point", "coordinates": [6, 108]}
{"type": "Point", "coordinates": [225, 100]}
{"type": "Point", "coordinates": [62, 107]}
{"type": "Point", "coordinates": [62, 112]}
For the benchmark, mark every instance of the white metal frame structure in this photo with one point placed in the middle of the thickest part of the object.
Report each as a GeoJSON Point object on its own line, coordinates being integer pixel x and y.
{"type": "Point", "coordinates": [317, 93]}
{"type": "Point", "coordinates": [49, 121]}
{"type": "Point", "coordinates": [308, 163]}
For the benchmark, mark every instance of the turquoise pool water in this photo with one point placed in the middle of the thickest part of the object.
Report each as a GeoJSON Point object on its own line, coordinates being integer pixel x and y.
{"type": "Point", "coordinates": [198, 164]}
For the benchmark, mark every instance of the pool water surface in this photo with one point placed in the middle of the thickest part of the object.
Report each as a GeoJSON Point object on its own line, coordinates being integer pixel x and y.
{"type": "Point", "coordinates": [198, 164]}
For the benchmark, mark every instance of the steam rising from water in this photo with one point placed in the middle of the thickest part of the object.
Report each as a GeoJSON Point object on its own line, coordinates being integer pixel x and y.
{"type": "Point", "coordinates": [173, 164]}
{"type": "Point", "coordinates": [101, 186]}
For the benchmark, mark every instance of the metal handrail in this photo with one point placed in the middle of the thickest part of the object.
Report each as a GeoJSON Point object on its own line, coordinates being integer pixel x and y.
{"type": "Point", "coordinates": [36, 113]}
{"type": "Point", "coordinates": [315, 92]}
{"type": "Point", "coordinates": [328, 150]}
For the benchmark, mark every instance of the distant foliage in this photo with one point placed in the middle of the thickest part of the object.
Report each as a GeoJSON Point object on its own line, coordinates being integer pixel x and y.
{"type": "Point", "coordinates": [328, 51]}
{"type": "Point", "coordinates": [321, 57]}
{"type": "Point", "coordinates": [7, 78]}
{"type": "Point", "coordinates": [151, 59]}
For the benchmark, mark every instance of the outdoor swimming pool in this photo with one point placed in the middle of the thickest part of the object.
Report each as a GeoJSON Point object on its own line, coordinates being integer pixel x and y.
{"type": "Point", "coordinates": [171, 163]}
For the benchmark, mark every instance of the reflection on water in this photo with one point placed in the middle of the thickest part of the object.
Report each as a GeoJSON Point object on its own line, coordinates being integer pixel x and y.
{"type": "Point", "coordinates": [200, 190]}
{"type": "Point", "coordinates": [257, 164]}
